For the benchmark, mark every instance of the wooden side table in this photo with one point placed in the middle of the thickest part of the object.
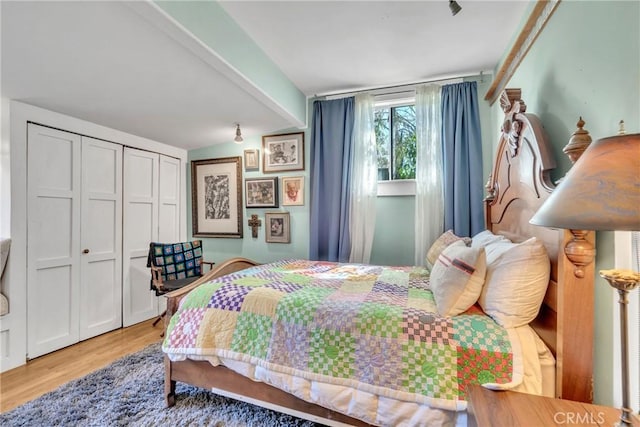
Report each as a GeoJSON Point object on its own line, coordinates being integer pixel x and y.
{"type": "Point", "coordinates": [489, 408]}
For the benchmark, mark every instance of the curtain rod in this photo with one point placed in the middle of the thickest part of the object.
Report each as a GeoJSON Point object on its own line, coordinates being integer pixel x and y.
{"type": "Point", "coordinates": [407, 85]}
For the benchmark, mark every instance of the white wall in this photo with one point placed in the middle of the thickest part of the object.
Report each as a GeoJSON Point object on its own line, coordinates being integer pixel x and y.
{"type": "Point", "coordinates": [13, 342]}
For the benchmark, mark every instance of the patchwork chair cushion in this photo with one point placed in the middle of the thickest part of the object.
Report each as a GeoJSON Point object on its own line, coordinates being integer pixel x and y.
{"type": "Point", "coordinates": [179, 263]}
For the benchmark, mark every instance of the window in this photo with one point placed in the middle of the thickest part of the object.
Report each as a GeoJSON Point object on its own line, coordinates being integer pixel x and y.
{"type": "Point", "coordinates": [395, 128]}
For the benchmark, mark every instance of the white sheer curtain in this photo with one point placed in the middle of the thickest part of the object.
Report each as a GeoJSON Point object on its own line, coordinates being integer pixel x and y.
{"type": "Point", "coordinates": [429, 214]}
{"type": "Point", "coordinates": [364, 181]}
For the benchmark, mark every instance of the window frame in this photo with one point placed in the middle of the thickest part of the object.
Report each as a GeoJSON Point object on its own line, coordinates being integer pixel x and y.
{"type": "Point", "coordinates": [395, 187]}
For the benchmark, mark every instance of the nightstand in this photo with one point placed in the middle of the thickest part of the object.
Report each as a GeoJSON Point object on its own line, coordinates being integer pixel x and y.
{"type": "Point", "coordinates": [489, 408]}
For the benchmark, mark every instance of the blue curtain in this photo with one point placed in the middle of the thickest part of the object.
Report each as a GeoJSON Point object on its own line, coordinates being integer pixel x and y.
{"type": "Point", "coordinates": [331, 154]}
{"type": "Point", "coordinates": [462, 159]}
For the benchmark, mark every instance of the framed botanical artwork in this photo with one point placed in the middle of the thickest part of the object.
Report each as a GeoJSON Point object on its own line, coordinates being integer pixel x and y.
{"type": "Point", "coordinates": [251, 160]}
{"type": "Point", "coordinates": [216, 197]}
{"type": "Point", "coordinates": [261, 192]}
{"type": "Point", "coordinates": [283, 152]}
{"type": "Point", "coordinates": [292, 190]}
{"type": "Point", "coordinates": [278, 228]}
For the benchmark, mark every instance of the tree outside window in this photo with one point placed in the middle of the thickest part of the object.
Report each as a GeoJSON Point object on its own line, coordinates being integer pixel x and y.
{"type": "Point", "coordinates": [395, 129]}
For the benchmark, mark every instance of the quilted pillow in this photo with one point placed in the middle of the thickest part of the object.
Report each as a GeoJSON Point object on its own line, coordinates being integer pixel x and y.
{"type": "Point", "coordinates": [516, 281]}
{"type": "Point", "coordinates": [457, 278]}
{"type": "Point", "coordinates": [445, 239]}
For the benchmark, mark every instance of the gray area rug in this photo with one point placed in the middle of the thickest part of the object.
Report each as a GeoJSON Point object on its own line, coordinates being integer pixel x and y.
{"type": "Point", "coordinates": [129, 392]}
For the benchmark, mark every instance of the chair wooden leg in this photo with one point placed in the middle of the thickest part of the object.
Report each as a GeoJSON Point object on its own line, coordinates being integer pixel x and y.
{"type": "Point", "coordinates": [155, 322]}
{"type": "Point", "coordinates": [161, 317]}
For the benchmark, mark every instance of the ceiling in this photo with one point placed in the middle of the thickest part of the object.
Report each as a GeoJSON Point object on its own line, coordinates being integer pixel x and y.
{"type": "Point", "coordinates": [105, 63]}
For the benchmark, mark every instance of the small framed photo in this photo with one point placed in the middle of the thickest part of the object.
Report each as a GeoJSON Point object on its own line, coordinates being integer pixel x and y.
{"type": "Point", "coordinates": [251, 160]}
{"type": "Point", "coordinates": [292, 190]}
{"type": "Point", "coordinates": [283, 152]}
{"type": "Point", "coordinates": [261, 192]}
{"type": "Point", "coordinates": [278, 227]}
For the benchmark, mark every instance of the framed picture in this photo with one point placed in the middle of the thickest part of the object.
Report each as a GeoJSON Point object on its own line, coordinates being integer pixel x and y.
{"type": "Point", "coordinates": [283, 152]}
{"type": "Point", "coordinates": [278, 227]}
{"type": "Point", "coordinates": [251, 160]}
{"type": "Point", "coordinates": [292, 190]}
{"type": "Point", "coordinates": [261, 192]}
{"type": "Point", "coordinates": [216, 197]}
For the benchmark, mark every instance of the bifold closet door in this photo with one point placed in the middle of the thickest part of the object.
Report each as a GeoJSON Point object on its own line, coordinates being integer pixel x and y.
{"type": "Point", "coordinates": [169, 206]}
{"type": "Point", "coordinates": [141, 183]}
{"type": "Point", "coordinates": [53, 239]}
{"type": "Point", "coordinates": [74, 234]}
{"type": "Point", "coordinates": [101, 237]}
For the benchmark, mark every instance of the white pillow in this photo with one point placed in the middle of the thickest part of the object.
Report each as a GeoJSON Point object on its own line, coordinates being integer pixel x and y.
{"type": "Point", "coordinates": [516, 281]}
{"type": "Point", "coordinates": [457, 278]}
{"type": "Point", "coordinates": [485, 238]}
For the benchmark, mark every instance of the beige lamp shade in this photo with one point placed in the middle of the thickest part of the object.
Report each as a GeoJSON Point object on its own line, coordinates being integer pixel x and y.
{"type": "Point", "coordinates": [600, 192]}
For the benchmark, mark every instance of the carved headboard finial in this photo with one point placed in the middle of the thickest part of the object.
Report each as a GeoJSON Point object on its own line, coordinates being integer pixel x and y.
{"type": "Point", "coordinates": [505, 102]}
{"type": "Point", "coordinates": [508, 98]}
{"type": "Point", "coordinates": [512, 105]}
{"type": "Point", "coordinates": [579, 141]}
{"type": "Point", "coordinates": [490, 187]}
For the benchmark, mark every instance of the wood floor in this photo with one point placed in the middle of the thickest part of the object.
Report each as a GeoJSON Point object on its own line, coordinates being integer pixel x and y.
{"type": "Point", "coordinates": [50, 371]}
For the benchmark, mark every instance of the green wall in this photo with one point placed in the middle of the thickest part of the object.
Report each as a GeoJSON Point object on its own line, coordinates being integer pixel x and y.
{"type": "Point", "coordinates": [220, 249]}
{"type": "Point", "coordinates": [586, 63]}
{"type": "Point", "coordinates": [394, 234]}
{"type": "Point", "coordinates": [393, 241]}
{"type": "Point", "coordinates": [490, 133]}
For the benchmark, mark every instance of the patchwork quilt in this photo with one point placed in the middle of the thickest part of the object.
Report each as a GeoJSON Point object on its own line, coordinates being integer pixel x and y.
{"type": "Point", "coordinates": [369, 327]}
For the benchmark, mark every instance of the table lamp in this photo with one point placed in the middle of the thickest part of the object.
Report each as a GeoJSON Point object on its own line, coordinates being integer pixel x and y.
{"type": "Point", "coordinates": [601, 192]}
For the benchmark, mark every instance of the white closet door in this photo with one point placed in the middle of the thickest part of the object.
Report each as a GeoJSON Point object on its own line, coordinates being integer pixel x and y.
{"type": "Point", "coordinates": [53, 250]}
{"type": "Point", "coordinates": [169, 190]}
{"type": "Point", "coordinates": [101, 237]}
{"type": "Point", "coordinates": [169, 214]}
{"type": "Point", "coordinates": [140, 187]}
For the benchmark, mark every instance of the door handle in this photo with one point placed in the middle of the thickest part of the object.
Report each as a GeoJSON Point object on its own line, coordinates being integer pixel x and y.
{"type": "Point", "coordinates": [85, 251]}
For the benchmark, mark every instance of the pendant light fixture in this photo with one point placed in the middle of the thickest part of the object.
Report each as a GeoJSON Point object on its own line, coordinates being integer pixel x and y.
{"type": "Point", "coordinates": [455, 7]}
{"type": "Point", "coordinates": [238, 139]}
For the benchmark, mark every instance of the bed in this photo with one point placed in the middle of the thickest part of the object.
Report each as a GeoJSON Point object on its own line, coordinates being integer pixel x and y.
{"type": "Point", "coordinates": [411, 394]}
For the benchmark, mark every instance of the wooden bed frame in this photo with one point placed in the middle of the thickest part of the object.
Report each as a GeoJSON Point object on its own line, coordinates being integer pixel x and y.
{"type": "Point", "coordinates": [519, 184]}
{"type": "Point", "coordinates": [516, 188]}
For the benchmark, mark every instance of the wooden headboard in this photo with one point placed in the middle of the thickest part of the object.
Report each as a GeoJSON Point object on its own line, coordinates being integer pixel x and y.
{"type": "Point", "coordinates": [519, 184]}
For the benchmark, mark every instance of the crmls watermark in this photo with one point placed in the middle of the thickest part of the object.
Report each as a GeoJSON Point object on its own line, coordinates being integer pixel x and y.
{"type": "Point", "coordinates": [581, 418]}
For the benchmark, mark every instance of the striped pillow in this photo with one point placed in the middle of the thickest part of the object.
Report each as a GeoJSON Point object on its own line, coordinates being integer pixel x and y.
{"type": "Point", "coordinates": [445, 239]}
{"type": "Point", "coordinates": [457, 278]}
